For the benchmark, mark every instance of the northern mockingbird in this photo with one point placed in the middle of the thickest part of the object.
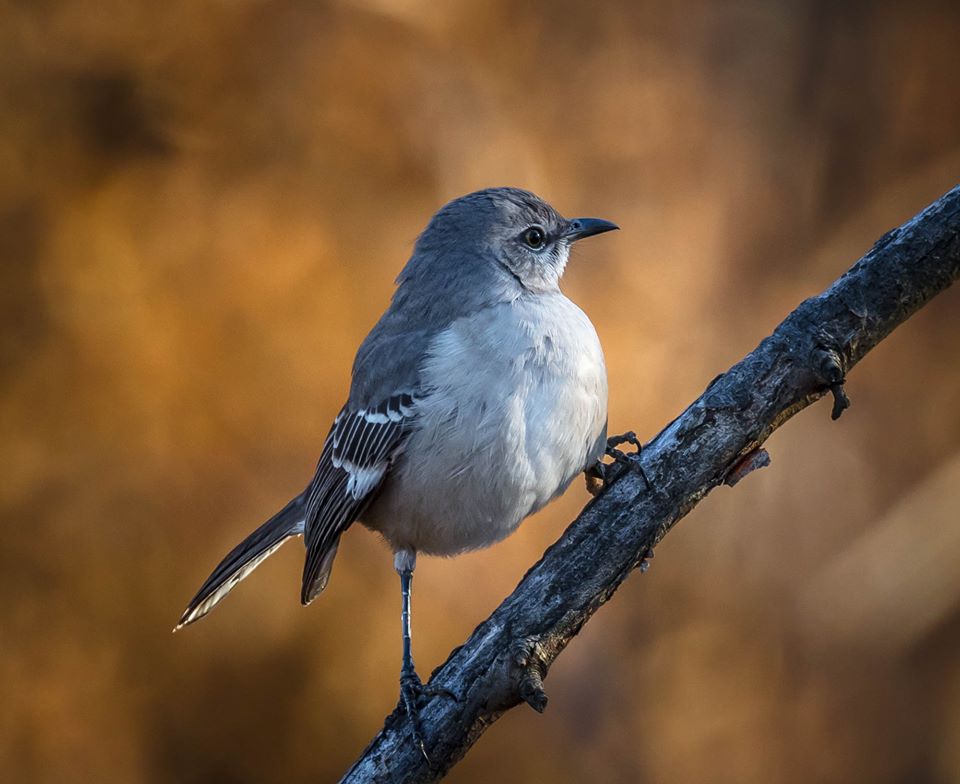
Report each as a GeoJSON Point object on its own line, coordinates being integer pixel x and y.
{"type": "Point", "coordinates": [475, 400]}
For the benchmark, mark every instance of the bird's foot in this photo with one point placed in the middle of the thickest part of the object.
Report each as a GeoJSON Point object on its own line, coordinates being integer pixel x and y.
{"type": "Point", "coordinates": [596, 478]}
{"type": "Point", "coordinates": [411, 692]}
{"type": "Point", "coordinates": [629, 459]}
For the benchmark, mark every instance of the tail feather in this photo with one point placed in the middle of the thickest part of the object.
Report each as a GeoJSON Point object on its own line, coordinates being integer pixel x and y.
{"type": "Point", "coordinates": [323, 571]}
{"type": "Point", "coordinates": [244, 558]}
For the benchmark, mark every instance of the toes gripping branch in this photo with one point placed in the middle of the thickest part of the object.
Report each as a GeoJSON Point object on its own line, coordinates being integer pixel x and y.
{"type": "Point", "coordinates": [630, 460]}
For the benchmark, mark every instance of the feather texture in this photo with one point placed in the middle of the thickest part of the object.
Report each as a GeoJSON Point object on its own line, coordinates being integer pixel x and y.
{"type": "Point", "coordinates": [360, 448]}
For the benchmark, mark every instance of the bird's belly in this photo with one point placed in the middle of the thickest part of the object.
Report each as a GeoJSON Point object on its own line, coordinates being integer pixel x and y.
{"type": "Point", "coordinates": [513, 415]}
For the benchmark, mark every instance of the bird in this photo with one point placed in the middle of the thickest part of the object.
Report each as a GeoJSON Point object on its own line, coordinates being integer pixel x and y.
{"type": "Point", "coordinates": [475, 400]}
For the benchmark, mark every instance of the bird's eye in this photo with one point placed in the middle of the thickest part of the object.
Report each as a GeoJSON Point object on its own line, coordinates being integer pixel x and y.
{"type": "Point", "coordinates": [534, 237]}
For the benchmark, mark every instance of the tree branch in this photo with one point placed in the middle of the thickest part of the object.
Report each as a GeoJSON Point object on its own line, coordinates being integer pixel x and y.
{"type": "Point", "coordinates": [715, 440]}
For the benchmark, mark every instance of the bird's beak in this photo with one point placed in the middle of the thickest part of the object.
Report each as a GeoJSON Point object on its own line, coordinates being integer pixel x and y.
{"type": "Point", "coordinates": [579, 228]}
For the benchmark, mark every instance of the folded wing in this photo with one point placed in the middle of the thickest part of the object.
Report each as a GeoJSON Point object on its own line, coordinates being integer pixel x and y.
{"type": "Point", "coordinates": [356, 457]}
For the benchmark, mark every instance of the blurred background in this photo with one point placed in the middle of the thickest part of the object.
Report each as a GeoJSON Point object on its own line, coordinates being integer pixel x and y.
{"type": "Point", "coordinates": [203, 206]}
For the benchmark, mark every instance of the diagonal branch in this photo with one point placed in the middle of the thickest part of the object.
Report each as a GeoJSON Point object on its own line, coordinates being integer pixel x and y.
{"type": "Point", "coordinates": [716, 439]}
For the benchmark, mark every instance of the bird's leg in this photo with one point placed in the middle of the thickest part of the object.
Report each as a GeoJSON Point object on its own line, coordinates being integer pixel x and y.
{"type": "Point", "coordinates": [411, 688]}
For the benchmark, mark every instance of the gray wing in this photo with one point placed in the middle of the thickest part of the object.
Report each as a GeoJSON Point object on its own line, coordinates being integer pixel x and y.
{"type": "Point", "coordinates": [357, 454]}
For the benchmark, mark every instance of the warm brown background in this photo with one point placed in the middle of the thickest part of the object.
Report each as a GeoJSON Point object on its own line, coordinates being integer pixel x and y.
{"type": "Point", "coordinates": [202, 208]}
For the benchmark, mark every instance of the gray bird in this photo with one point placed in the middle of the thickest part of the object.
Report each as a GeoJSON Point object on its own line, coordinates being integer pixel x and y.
{"type": "Point", "coordinates": [476, 399]}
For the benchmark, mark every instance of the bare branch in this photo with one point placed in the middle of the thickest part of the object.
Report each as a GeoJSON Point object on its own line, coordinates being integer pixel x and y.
{"type": "Point", "coordinates": [716, 439]}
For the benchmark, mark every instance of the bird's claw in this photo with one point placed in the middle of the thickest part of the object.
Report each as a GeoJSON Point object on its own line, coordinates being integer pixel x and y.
{"type": "Point", "coordinates": [629, 459]}
{"type": "Point", "coordinates": [624, 438]}
{"type": "Point", "coordinates": [411, 692]}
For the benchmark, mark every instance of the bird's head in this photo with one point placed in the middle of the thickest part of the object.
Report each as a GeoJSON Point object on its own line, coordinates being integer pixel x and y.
{"type": "Point", "coordinates": [509, 234]}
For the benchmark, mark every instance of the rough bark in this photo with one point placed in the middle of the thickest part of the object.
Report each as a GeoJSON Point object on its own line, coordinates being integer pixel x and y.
{"type": "Point", "coordinates": [715, 440]}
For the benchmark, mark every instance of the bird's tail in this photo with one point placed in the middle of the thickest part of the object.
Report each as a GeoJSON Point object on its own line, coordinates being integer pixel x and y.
{"type": "Point", "coordinates": [244, 558]}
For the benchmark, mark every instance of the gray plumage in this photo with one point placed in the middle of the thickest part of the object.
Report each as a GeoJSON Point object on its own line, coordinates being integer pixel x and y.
{"type": "Point", "coordinates": [475, 400]}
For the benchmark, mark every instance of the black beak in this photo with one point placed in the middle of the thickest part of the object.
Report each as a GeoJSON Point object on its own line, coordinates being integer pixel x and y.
{"type": "Point", "coordinates": [579, 228]}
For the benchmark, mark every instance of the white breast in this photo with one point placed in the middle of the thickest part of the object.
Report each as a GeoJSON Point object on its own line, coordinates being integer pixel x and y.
{"type": "Point", "coordinates": [516, 402]}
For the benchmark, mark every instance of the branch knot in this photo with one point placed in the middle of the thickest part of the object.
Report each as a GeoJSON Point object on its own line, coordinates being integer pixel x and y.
{"type": "Point", "coordinates": [530, 661]}
{"type": "Point", "coordinates": [828, 366]}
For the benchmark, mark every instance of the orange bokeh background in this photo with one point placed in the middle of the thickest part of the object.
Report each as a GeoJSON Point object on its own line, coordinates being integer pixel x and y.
{"type": "Point", "coordinates": [202, 209]}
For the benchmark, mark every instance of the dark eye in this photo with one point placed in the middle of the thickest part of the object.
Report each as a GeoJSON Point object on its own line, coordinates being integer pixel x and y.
{"type": "Point", "coordinates": [534, 237]}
